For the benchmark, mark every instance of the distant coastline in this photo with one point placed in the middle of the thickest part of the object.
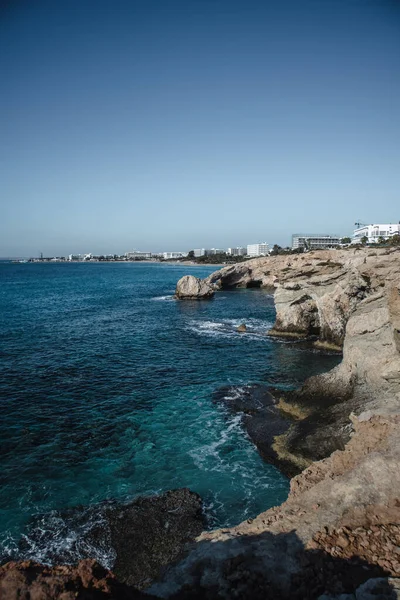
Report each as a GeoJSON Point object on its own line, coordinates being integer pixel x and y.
{"type": "Point", "coordinates": [185, 263]}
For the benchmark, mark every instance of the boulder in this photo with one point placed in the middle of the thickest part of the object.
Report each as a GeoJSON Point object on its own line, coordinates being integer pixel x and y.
{"type": "Point", "coordinates": [193, 288]}
{"type": "Point", "coordinates": [242, 328]}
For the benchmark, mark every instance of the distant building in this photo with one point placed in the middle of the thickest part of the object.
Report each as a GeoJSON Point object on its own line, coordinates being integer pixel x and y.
{"type": "Point", "coordinates": [214, 251]}
{"type": "Point", "coordinates": [137, 255]}
{"type": "Point", "coordinates": [375, 231]}
{"type": "Point", "coordinates": [169, 255]}
{"type": "Point", "coordinates": [199, 252]}
{"type": "Point", "coordinates": [74, 257]}
{"type": "Point", "coordinates": [261, 249]}
{"type": "Point", "coordinates": [314, 241]}
{"type": "Point", "coordinates": [238, 251]}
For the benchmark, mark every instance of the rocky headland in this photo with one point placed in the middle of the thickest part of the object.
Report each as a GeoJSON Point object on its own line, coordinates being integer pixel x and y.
{"type": "Point", "coordinates": [346, 300]}
{"type": "Point", "coordinates": [338, 533]}
{"type": "Point", "coordinates": [342, 441]}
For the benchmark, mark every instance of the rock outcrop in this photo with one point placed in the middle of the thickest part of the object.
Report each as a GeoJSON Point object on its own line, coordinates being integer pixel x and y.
{"type": "Point", "coordinates": [315, 293]}
{"type": "Point", "coordinates": [348, 299]}
{"type": "Point", "coordinates": [261, 417]}
{"type": "Point", "coordinates": [338, 532]}
{"type": "Point", "coordinates": [145, 535]}
{"type": "Point", "coordinates": [192, 288]}
{"type": "Point", "coordinates": [151, 532]}
{"type": "Point", "coordinates": [339, 528]}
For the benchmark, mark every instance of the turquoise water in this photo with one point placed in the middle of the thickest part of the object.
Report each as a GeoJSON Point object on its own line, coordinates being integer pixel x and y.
{"type": "Point", "coordinates": [106, 387]}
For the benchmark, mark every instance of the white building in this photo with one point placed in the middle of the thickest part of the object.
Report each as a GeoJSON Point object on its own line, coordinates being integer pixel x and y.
{"type": "Point", "coordinates": [261, 249]}
{"type": "Point", "coordinates": [238, 251]}
{"type": "Point", "coordinates": [137, 255]}
{"type": "Point", "coordinates": [213, 251]}
{"type": "Point", "coordinates": [199, 252]}
{"type": "Point", "coordinates": [74, 257]}
{"type": "Point", "coordinates": [169, 255]}
{"type": "Point", "coordinates": [375, 231]}
{"type": "Point", "coordinates": [314, 241]}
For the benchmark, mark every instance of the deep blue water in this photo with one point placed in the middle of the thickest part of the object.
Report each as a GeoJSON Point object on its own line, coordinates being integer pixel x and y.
{"type": "Point", "coordinates": [106, 388]}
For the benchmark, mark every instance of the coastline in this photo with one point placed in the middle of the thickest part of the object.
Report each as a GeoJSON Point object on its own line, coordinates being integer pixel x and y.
{"type": "Point", "coordinates": [124, 262]}
{"type": "Point", "coordinates": [336, 531]}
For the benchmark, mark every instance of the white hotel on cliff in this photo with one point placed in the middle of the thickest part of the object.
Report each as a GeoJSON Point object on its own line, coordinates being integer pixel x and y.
{"type": "Point", "coordinates": [375, 231]}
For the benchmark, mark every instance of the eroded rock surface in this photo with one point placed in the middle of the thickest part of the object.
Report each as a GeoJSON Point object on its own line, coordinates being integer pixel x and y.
{"type": "Point", "coordinates": [349, 299]}
{"type": "Point", "coordinates": [338, 532]}
{"type": "Point", "coordinates": [339, 527]}
{"type": "Point", "coordinates": [88, 580]}
{"type": "Point", "coordinates": [192, 288]}
{"type": "Point", "coordinates": [316, 292]}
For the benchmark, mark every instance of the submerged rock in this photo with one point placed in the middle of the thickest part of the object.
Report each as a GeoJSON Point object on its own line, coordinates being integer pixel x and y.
{"type": "Point", "coordinates": [261, 417]}
{"type": "Point", "coordinates": [193, 288]}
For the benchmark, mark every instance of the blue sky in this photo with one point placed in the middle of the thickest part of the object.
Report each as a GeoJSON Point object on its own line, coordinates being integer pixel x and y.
{"type": "Point", "coordinates": [168, 125]}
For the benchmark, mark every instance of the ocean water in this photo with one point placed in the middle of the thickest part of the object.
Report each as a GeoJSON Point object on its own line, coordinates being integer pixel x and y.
{"type": "Point", "coordinates": [106, 386]}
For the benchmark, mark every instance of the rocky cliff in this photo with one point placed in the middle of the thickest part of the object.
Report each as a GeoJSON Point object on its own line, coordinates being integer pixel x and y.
{"type": "Point", "coordinates": [347, 299]}
{"type": "Point", "coordinates": [339, 530]}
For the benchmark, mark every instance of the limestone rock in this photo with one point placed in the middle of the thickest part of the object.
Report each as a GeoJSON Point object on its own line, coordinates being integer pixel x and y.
{"type": "Point", "coordinates": [338, 533]}
{"type": "Point", "coordinates": [193, 288]}
{"type": "Point", "coordinates": [346, 298]}
{"type": "Point", "coordinates": [87, 580]}
{"type": "Point", "coordinates": [315, 293]}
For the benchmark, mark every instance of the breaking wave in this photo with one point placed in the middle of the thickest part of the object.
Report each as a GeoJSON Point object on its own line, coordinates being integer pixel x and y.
{"type": "Point", "coordinates": [64, 538]}
{"type": "Point", "coordinates": [255, 328]}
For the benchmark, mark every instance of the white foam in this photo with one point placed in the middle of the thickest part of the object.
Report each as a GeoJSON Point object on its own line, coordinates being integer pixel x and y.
{"type": "Point", "coordinates": [164, 298]}
{"type": "Point", "coordinates": [54, 538]}
{"type": "Point", "coordinates": [256, 328]}
{"type": "Point", "coordinates": [202, 454]}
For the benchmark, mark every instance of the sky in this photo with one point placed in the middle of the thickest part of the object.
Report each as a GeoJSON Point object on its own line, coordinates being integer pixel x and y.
{"type": "Point", "coordinates": [178, 124]}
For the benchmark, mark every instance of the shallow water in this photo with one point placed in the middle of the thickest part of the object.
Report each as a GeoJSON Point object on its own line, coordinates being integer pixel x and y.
{"type": "Point", "coordinates": [106, 387]}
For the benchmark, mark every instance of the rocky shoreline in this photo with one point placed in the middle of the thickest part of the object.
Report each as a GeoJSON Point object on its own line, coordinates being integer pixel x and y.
{"type": "Point", "coordinates": [338, 533]}
{"type": "Point", "coordinates": [345, 300]}
{"type": "Point", "coordinates": [344, 438]}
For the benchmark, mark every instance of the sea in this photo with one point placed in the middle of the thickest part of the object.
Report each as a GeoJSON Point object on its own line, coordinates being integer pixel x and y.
{"type": "Point", "coordinates": [106, 394]}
